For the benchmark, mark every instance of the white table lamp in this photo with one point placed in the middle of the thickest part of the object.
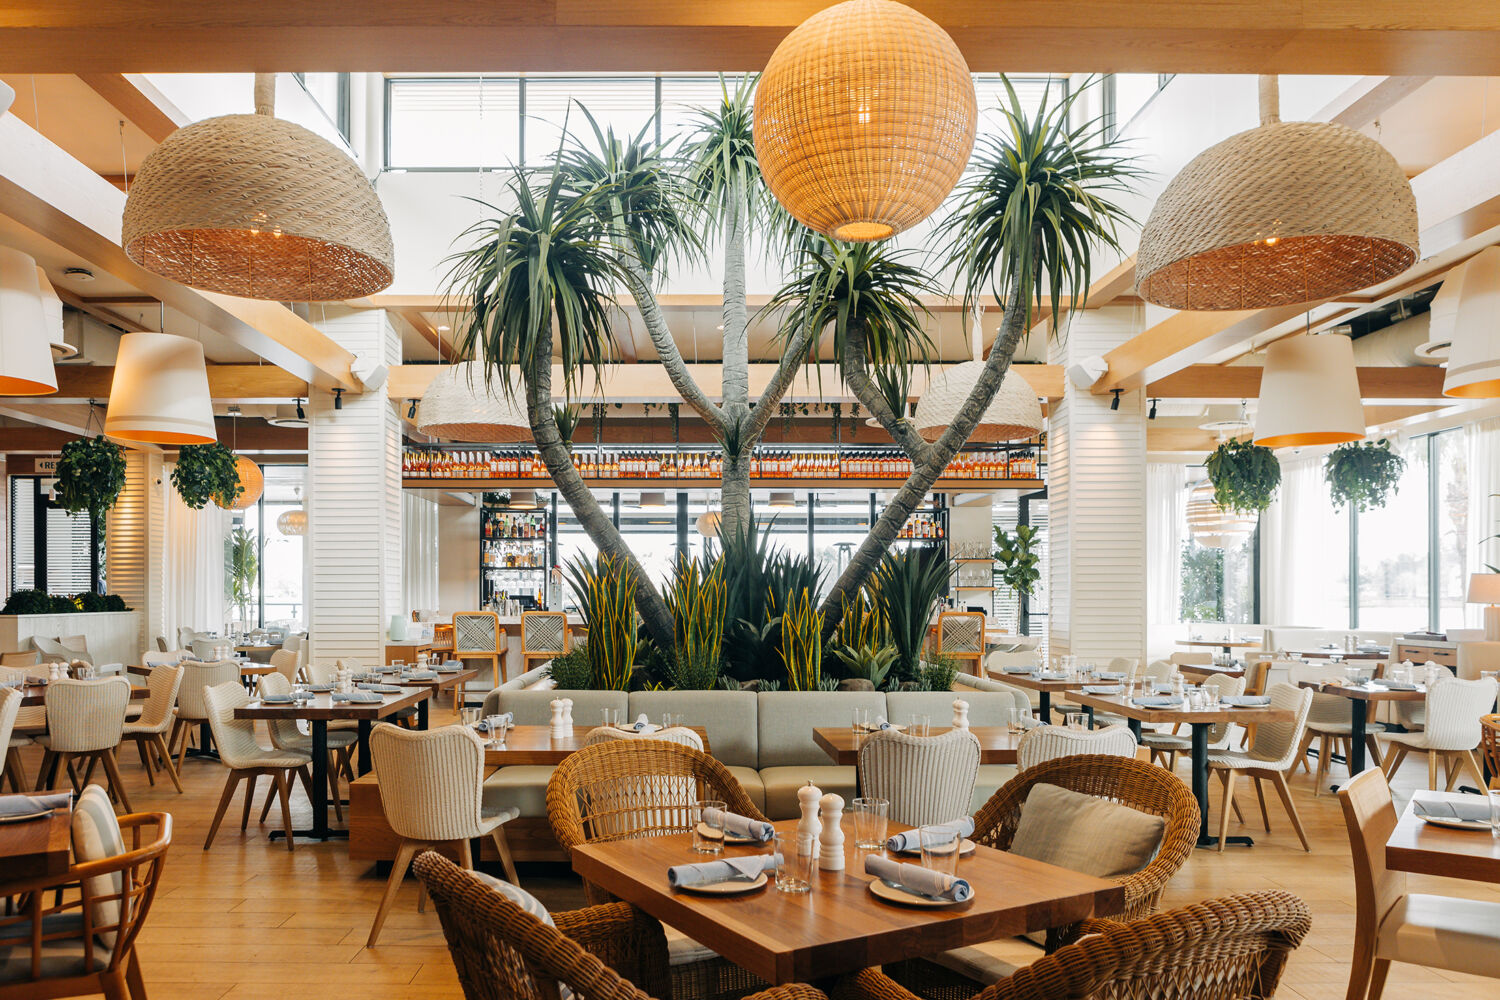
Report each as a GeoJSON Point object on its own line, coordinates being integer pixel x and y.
{"type": "Point", "coordinates": [1484, 588]}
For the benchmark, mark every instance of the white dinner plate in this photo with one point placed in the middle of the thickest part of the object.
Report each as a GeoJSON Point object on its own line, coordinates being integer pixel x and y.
{"type": "Point", "coordinates": [892, 894]}
{"type": "Point", "coordinates": [1457, 824]}
{"type": "Point", "coordinates": [964, 850]}
{"type": "Point", "coordinates": [872, 728]}
{"type": "Point", "coordinates": [731, 888]}
{"type": "Point", "coordinates": [27, 818]}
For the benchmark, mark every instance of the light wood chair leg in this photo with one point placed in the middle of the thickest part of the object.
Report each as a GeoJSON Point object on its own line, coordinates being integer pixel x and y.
{"type": "Point", "coordinates": [333, 791]}
{"type": "Point", "coordinates": [1301, 760]}
{"type": "Point", "coordinates": [1431, 771]}
{"type": "Point", "coordinates": [404, 853]}
{"type": "Point", "coordinates": [251, 778]}
{"type": "Point", "coordinates": [1228, 777]}
{"type": "Point", "coordinates": [165, 756]}
{"type": "Point", "coordinates": [1279, 780]}
{"type": "Point", "coordinates": [230, 781]}
{"type": "Point", "coordinates": [1325, 750]}
{"type": "Point", "coordinates": [140, 747]}
{"type": "Point", "coordinates": [283, 780]}
{"type": "Point", "coordinates": [1260, 795]}
{"type": "Point", "coordinates": [1373, 746]}
{"type": "Point", "coordinates": [502, 845]}
{"type": "Point", "coordinates": [1466, 761]}
{"type": "Point", "coordinates": [112, 770]}
{"type": "Point", "coordinates": [48, 758]}
{"type": "Point", "coordinates": [265, 806]}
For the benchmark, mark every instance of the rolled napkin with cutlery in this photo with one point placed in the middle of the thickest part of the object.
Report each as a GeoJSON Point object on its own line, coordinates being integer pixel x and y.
{"type": "Point", "coordinates": [1051, 675]}
{"type": "Point", "coordinates": [358, 697]}
{"type": "Point", "coordinates": [1018, 670]}
{"type": "Point", "coordinates": [507, 719]}
{"type": "Point", "coordinates": [1110, 675]}
{"type": "Point", "coordinates": [743, 869]}
{"type": "Point", "coordinates": [276, 699]}
{"type": "Point", "coordinates": [880, 723]}
{"type": "Point", "coordinates": [1157, 702]}
{"type": "Point", "coordinates": [1441, 805]}
{"type": "Point", "coordinates": [910, 840]}
{"type": "Point", "coordinates": [915, 878]}
{"type": "Point", "coordinates": [381, 688]}
{"type": "Point", "coordinates": [27, 805]}
{"type": "Point", "coordinates": [1102, 689]}
{"type": "Point", "coordinates": [422, 675]}
{"type": "Point", "coordinates": [641, 725]}
{"type": "Point", "coordinates": [1245, 700]}
{"type": "Point", "coordinates": [736, 825]}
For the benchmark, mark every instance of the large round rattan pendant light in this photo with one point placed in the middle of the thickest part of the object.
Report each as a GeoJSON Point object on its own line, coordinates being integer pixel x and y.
{"type": "Point", "coordinates": [160, 392]}
{"type": "Point", "coordinates": [25, 357]}
{"type": "Point", "coordinates": [1212, 526]}
{"type": "Point", "coordinates": [1309, 393]}
{"type": "Point", "coordinates": [459, 405]}
{"type": "Point", "coordinates": [1286, 213]}
{"type": "Point", "coordinates": [864, 119]}
{"type": "Point", "coordinates": [252, 485]}
{"type": "Point", "coordinates": [1014, 414]}
{"type": "Point", "coordinates": [292, 522]}
{"type": "Point", "coordinates": [1466, 313]}
{"type": "Point", "coordinates": [254, 206]}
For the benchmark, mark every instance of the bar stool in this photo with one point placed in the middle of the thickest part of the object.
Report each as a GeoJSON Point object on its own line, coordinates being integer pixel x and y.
{"type": "Point", "coordinates": [960, 635]}
{"type": "Point", "coordinates": [477, 636]}
{"type": "Point", "coordinates": [544, 636]}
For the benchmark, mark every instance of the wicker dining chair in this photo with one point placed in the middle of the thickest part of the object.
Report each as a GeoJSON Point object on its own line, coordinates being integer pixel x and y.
{"type": "Point", "coordinates": [1123, 780]}
{"type": "Point", "coordinates": [477, 636]}
{"type": "Point", "coordinates": [192, 710]}
{"type": "Point", "coordinates": [1452, 734]}
{"type": "Point", "coordinates": [1269, 759]}
{"type": "Point", "coordinates": [926, 779]}
{"type": "Point", "coordinates": [10, 707]}
{"type": "Point", "coordinates": [1045, 743]}
{"type": "Point", "coordinates": [1165, 747]}
{"type": "Point", "coordinates": [1230, 948]}
{"type": "Point", "coordinates": [247, 760]}
{"type": "Point", "coordinates": [149, 731]}
{"type": "Point", "coordinates": [503, 952]}
{"type": "Point", "coordinates": [544, 636]}
{"type": "Point", "coordinates": [85, 721]}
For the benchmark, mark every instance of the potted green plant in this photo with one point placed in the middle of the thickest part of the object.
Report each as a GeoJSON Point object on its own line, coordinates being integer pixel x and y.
{"type": "Point", "coordinates": [90, 477]}
{"type": "Point", "coordinates": [1019, 564]}
{"type": "Point", "coordinates": [605, 590]}
{"type": "Point", "coordinates": [1245, 476]}
{"type": "Point", "coordinates": [1362, 473]}
{"type": "Point", "coordinates": [696, 598]}
{"type": "Point", "coordinates": [862, 642]}
{"type": "Point", "coordinates": [241, 566]}
{"type": "Point", "coordinates": [802, 643]}
{"type": "Point", "coordinates": [910, 583]}
{"type": "Point", "coordinates": [205, 472]}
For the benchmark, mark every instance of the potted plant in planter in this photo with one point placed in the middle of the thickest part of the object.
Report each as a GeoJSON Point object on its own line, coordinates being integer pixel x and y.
{"type": "Point", "coordinates": [696, 598]}
{"type": "Point", "coordinates": [1245, 476]}
{"type": "Point", "coordinates": [862, 643]}
{"type": "Point", "coordinates": [605, 589]}
{"type": "Point", "coordinates": [910, 583]}
{"type": "Point", "coordinates": [1017, 559]}
{"type": "Point", "coordinates": [204, 472]}
{"type": "Point", "coordinates": [802, 644]}
{"type": "Point", "coordinates": [1364, 473]}
{"type": "Point", "coordinates": [241, 566]}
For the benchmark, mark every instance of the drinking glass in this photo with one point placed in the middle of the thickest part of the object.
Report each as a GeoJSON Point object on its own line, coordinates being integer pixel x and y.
{"type": "Point", "coordinates": [940, 845]}
{"type": "Point", "coordinates": [611, 716]}
{"type": "Point", "coordinates": [671, 720]}
{"type": "Point", "coordinates": [860, 721]}
{"type": "Point", "coordinates": [708, 833]}
{"type": "Point", "coordinates": [1077, 720]}
{"type": "Point", "coordinates": [1495, 814]}
{"type": "Point", "coordinates": [918, 725]}
{"type": "Point", "coordinates": [496, 725]}
{"type": "Point", "coordinates": [870, 815]}
{"type": "Point", "coordinates": [796, 859]}
{"type": "Point", "coordinates": [470, 716]}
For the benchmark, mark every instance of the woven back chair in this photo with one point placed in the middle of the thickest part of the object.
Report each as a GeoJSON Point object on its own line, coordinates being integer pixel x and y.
{"type": "Point", "coordinates": [1124, 780]}
{"type": "Point", "coordinates": [286, 663]}
{"type": "Point", "coordinates": [1453, 732]}
{"type": "Point", "coordinates": [544, 636]}
{"type": "Point", "coordinates": [191, 707]}
{"type": "Point", "coordinates": [1195, 659]}
{"type": "Point", "coordinates": [926, 779]}
{"type": "Point", "coordinates": [149, 731]}
{"type": "Point", "coordinates": [1046, 743]}
{"type": "Point", "coordinates": [85, 721]}
{"type": "Point", "coordinates": [1231, 948]}
{"type": "Point", "coordinates": [960, 635]}
{"type": "Point", "coordinates": [677, 734]}
{"type": "Point", "coordinates": [10, 707]}
{"type": "Point", "coordinates": [248, 761]}
{"type": "Point", "coordinates": [477, 636]}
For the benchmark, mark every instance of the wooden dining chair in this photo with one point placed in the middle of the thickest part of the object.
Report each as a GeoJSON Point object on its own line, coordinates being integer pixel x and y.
{"type": "Point", "coordinates": [960, 636]}
{"type": "Point", "coordinates": [544, 636]}
{"type": "Point", "coordinates": [477, 636]}
{"type": "Point", "coordinates": [1489, 744]}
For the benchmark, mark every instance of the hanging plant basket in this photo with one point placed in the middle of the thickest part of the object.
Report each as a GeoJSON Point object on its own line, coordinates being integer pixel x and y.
{"type": "Point", "coordinates": [1245, 476]}
{"type": "Point", "coordinates": [1362, 473]}
{"type": "Point", "coordinates": [90, 477]}
{"type": "Point", "coordinates": [204, 472]}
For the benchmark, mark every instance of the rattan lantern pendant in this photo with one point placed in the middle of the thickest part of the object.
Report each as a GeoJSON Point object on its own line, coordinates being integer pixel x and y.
{"type": "Point", "coordinates": [459, 405]}
{"type": "Point", "coordinates": [252, 482]}
{"type": "Point", "coordinates": [1286, 213]}
{"type": "Point", "coordinates": [1014, 414]}
{"type": "Point", "coordinates": [864, 119]}
{"type": "Point", "coordinates": [258, 207]}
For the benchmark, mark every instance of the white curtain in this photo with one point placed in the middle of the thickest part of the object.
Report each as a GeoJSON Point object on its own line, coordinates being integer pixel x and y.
{"type": "Point", "coordinates": [1304, 551]}
{"type": "Point", "coordinates": [194, 571]}
{"type": "Point", "coordinates": [419, 554]}
{"type": "Point", "coordinates": [1484, 507]}
{"type": "Point", "coordinates": [1166, 520]}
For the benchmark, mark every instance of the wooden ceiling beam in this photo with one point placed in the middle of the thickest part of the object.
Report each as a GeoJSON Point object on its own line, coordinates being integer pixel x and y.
{"type": "Point", "coordinates": [138, 102]}
{"type": "Point", "coordinates": [1231, 382]}
{"type": "Point", "coordinates": [1461, 37]}
{"type": "Point", "coordinates": [226, 384]}
{"type": "Point", "coordinates": [99, 312]}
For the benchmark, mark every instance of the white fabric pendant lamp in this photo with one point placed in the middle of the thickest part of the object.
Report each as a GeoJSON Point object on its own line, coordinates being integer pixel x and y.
{"type": "Point", "coordinates": [652, 501]}
{"type": "Point", "coordinates": [52, 308]}
{"type": "Point", "coordinates": [523, 500]}
{"type": "Point", "coordinates": [1014, 414]}
{"type": "Point", "coordinates": [292, 523]}
{"type": "Point", "coordinates": [460, 405]}
{"type": "Point", "coordinates": [783, 500]}
{"type": "Point", "coordinates": [1466, 313]}
{"type": "Point", "coordinates": [160, 392]}
{"type": "Point", "coordinates": [708, 523]}
{"type": "Point", "coordinates": [25, 357]}
{"type": "Point", "coordinates": [1309, 393]}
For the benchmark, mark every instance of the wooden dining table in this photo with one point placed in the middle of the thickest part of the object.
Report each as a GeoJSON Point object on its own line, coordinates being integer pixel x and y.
{"type": "Point", "coordinates": [1199, 671]}
{"type": "Point", "coordinates": [997, 744]}
{"type": "Point", "coordinates": [1424, 849]}
{"type": "Point", "coordinates": [33, 695]}
{"type": "Point", "coordinates": [36, 848]}
{"type": "Point", "coordinates": [1046, 686]}
{"type": "Point", "coordinates": [839, 926]}
{"type": "Point", "coordinates": [1360, 697]}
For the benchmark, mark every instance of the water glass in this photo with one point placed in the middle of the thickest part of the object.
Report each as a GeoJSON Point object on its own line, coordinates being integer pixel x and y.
{"type": "Point", "coordinates": [397, 666]}
{"type": "Point", "coordinates": [797, 860]}
{"type": "Point", "coordinates": [1495, 814]}
{"type": "Point", "coordinates": [496, 724]}
{"type": "Point", "coordinates": [1077, 720]}
{"type": "Point", "coordinates": [940, 846]}
{"type": "Point", "coordinates": [870, 816]}
{"type": "Point", "coordinates": [611, 716]}
{"type": "Point", "coordinates": [469, 716]}
{"type": "Point", "coordinates": [860, 721]}
{"type": "Point", "coordinates": [708, 831]}
{"type": "Point", "coordinates": [918, 725]}
{"type": "Point", "coordinates": [671, 720]}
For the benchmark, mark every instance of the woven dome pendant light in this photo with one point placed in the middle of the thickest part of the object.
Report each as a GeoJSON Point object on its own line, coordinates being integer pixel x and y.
{"type": "Point", "coordinates": [1285, 213]}
{"type": "Point", "coordinates": [1309, 393]}
{"type": "Point", "coordinates": [1464, 313]}
{"type": "Point", "coordinates": [1014, 414]}
{"type": "Point", "coordinates": [252, 482]}
{"type": "Point", "coordinates": [460, 405]}
{"type": "Point", "coordinates": [254, 206]}
{"type": "Point", "coordinates": [864, 119]}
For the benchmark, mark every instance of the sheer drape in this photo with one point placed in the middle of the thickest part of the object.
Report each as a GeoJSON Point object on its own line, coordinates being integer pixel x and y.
{"type": "Point", "coordinates": [194, 566]}
{"type": "Point", "coordinates": [1304, 551]}
{"type": "Point", "coordinates": [1484, 507]}
{"type": "Point", "coordinates": [1166, 521]}
{"type": "Point", "coordinates": [419, 557]}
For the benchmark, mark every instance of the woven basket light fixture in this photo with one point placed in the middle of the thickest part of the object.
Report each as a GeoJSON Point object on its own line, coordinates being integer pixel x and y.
{"type": "Point", "coordinates": [864, 119]}
{"type": "Point", "coordinates": [252, 485]}
{"type": "Point", "coordinates": [1014, 414]}
{"type": "Point", "coordinates": [1286, 213]}
{"type": "Point", "coordinates": [708, 523]}
{"type": "Point", "coordinates": [1463, 313]}
{"type": "Point", "coordinates": [254, 206]}
{"type": "Point", "coordinates": [1309, 393]}
{"type": "Point", "coordinates": [292, 522]}
{"type": "Point", "coordinates": [460, 406]}
{"type": "Point", "coordinates": [1212, 526]}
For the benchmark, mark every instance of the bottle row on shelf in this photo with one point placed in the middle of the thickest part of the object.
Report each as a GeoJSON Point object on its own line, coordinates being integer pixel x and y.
{"type": "Point", "coordinates": [498, 524]}
{"type": "Point", "coordinates": [441, 463]}
{"type": "Point", "coordinates": [513, 555]}
{"type": "Point", "coordinates": [922, 526]}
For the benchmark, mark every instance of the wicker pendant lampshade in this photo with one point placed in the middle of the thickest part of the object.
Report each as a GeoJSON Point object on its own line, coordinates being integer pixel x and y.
{"type": "Point", "coordinates": [252, 485]}
{"type": "Point", "coordinates": [1212, 526]}
{"type": "Point", "coordinates": [254, 206]}
{"type": "Point", "coordinates": [864, 119]}
{"type": "Point", "coordinates": [160, 392]}
{"type": "Point", "coordinates": [1466, 313]}
{"type": "Point", "coordinates": [708, 523]}
{"type": "Point", "coordinates": [1013, 415]}
{"type": "Point", "coordinates": [1285, 213]}
{"type": "Point", "coordinates": [1309, 393]}
{"type": "Point", "coordinates": [25, 359]}
{"type": "Point", "coordinates": [460, 406]}
{"type": "Point", "coordinates": [292, 522]}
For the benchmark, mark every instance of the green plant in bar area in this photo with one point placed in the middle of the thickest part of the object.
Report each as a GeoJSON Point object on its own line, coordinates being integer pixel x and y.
{"type": "Point", "coordinates": [241, 567]}
{"type": "Point", "coordinates": [605, 591]}
{"type": "Point", "coordinates": [206, 472]}
{"type": "Point", "coordinates": [1245, 476]}
{"type": "Point", "coordinates": [573, 670]}
{"type": "Point", "coordinates": [1017, 558]}
{"type": "Point", "coordinates": [802, 643]}
{"type": "Point", "coordinates": [910, 583]}
{"type": "Point", "coordinates": [938, 673]}
{"type": "Point", "coordinates": [696, 598]}
{"type": "Point", "coordinates": [1362, 473]}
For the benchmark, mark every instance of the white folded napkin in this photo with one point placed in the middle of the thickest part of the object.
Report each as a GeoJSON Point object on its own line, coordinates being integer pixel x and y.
{"type": "Point", "coordinates": [710, 872]}
{"type": "Point", "coordinates": [911, 840]}
{"type": "Point", "coordinates": [276, 699]}
{"type": "Point", "coordinates": [358, 697]}
{"type": "Point", "coordinates": [507, 719]}
{"type": "Point", "coordinates": [1102, 689]}
{"type": "Point", "coordinates": [1441, 805]}
{"type": "Point", "coordinates": [923, 881]}
{"type": "Point", "coordinates": [26, 805]}
{"type": "Point", "coordinates": [740, 826]}
{"type": "Point", "coordinates": [640, 725]}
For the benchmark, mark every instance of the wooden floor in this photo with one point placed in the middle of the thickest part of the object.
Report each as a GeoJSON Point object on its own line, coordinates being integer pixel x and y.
{"type": "Point", "coordinates": [248, 919]}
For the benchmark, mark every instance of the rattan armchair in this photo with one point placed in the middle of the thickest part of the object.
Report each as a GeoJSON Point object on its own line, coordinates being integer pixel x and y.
{"type": "Point", "coordinates": [1232, 948]}
{"type": "Point", "coordinates": [1124, 780]}
{"type": "Point", "coordinates": [607, 952]}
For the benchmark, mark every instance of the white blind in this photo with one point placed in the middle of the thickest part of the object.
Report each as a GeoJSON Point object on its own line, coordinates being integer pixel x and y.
{"type": "Point", "coordinates": [22, 533]}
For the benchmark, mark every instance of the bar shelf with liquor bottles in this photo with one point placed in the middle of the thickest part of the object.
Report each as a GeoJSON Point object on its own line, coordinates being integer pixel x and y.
{"type": "Point", "coordinates": [513, 548]}
{"type": "Point", "coordinates": [992, 466]}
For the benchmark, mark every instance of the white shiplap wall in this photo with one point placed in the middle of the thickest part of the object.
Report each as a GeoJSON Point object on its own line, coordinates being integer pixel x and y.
{"type": "Point", "coordinates": [134, 543]}
{"type": "Point", "coordinates": [1096, 489]}
{"type": "Point", "coordinates": [353, 565]}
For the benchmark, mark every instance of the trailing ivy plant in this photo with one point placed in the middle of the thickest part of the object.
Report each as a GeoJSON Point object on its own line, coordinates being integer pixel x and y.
{"type": "Point", "coordinates": [204, 472]}
{"type": "Point", "coordinates": [1362, 473]}
{"type": "Point", "coordinates": [90, 477]}
{"type": "Point", "coordinates": [1245, 476]}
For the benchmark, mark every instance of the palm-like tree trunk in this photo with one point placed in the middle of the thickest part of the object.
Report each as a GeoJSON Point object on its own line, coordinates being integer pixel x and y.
{"type": "Point", "coordinates": [735, 488]}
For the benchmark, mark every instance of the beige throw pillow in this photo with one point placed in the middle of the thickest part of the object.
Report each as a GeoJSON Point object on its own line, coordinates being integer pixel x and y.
{"type": "Point", "coordinates": [1085, 833]}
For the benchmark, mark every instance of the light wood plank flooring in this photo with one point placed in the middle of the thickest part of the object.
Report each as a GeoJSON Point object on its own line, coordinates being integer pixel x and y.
{"type": "Point", "coordinates": [248, 919]}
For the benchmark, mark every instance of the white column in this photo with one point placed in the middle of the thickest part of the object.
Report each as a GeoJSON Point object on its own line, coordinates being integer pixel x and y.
{"type": "Point", "coordinates": [135, 545]}
{"type": "Point", "coordinates": [353, 555]}
{"type": "Point", "coordinates": [1096, 489]}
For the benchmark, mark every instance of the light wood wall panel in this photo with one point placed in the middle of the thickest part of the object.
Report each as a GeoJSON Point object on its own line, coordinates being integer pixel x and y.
{"type": "Point", "coordinates": [134, 544]}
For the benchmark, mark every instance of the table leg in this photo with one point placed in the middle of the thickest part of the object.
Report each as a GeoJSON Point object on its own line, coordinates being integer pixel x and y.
{"type": "Point", "coordinates": [1200, 790]}
{"type": "Point", "coordinates": [1357, 724]}
{"type": "Point", "coordinates": [364, 747]}
{"type": "Point", "coordinates": [422, 713]}
{"type": "Point", "coordinates": [1046, 708]}
{"type": "Point", "coordinates": [205, 741]}
{"type": "Point", "coordinates": [1090, 710]}
{"type": "Point", "coordinates": [318, 795]}
{"type": "Point", "coordinates": [1135, 729]}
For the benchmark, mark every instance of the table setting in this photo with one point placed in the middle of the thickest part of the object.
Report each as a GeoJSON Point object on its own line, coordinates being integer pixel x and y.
{"type": "Point", "coordinates": [1457, 811]}
{"type": "Point", "coordinates": [24, 808]}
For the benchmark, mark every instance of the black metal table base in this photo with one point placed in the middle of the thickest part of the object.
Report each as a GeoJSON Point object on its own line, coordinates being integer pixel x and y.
{"type": "Point", "coordinates": [312, 835]}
